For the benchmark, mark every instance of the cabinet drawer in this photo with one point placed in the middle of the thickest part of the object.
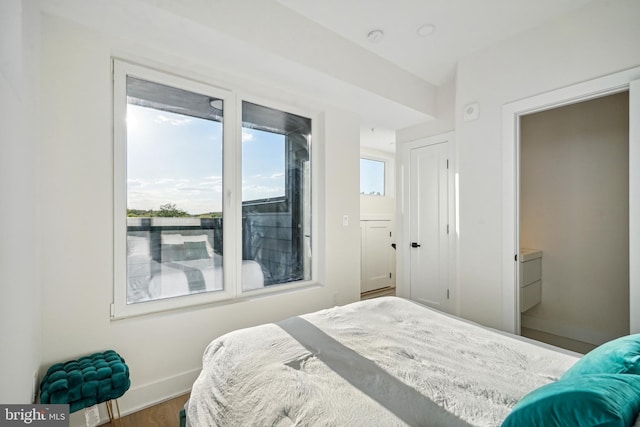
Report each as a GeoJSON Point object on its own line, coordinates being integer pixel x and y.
{"type": "Point", "coordinates": [530, 271]}
{"type": "Point", "coordinates": [530, 295]}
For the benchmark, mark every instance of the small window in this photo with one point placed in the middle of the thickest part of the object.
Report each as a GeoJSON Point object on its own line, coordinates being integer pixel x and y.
{"type": "Point", "coordinates": [372, 177]}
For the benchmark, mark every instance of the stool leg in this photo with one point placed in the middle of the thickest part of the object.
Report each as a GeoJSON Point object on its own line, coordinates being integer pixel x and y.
{"type": "Point", "coordinates": [112, 415]}
{"type": "Point", "coordinates": [109, 406]}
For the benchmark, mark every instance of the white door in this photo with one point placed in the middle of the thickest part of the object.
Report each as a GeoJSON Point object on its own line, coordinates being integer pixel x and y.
{"type": "Point", "coordinates": [376, 255]}
{"type": "Point", "coordinates": [428, 242]}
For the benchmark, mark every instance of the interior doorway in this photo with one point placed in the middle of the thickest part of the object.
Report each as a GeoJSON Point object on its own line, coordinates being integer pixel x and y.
{"type": "Point", "coordinates": [628, 80]}
{"type": "Point", "coordinates": [574, 214]}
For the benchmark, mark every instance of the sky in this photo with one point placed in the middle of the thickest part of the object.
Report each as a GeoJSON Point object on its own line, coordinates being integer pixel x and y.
{"type": "Point", "coordinates": [371, 177]}
{"type": "Point", "coordinates": [177, 159]}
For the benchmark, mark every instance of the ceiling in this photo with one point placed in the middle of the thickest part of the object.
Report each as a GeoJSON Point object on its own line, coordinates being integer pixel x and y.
{"type": "Point", "coordinates": [320, 48]}
{"type": "Point", "coordinates": [462, 27]}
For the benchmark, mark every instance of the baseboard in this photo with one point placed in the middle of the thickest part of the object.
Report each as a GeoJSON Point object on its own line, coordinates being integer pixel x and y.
{"type": "Point", "coordinates": [564, 330]}
{"type": "Point", "coordinates": [382, 292]}
{"type": "Point", "coordinates": [143, 396]}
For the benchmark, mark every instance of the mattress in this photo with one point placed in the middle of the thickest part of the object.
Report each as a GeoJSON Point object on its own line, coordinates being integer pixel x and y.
{"type": "Point", "coordinates": [381, 362]}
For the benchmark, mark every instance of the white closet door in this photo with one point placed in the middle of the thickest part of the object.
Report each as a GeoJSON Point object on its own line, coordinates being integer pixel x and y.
{"type": "Point", "coordinates": [429, 225]}
{"type": "Point", "coordinates": [376, 255]}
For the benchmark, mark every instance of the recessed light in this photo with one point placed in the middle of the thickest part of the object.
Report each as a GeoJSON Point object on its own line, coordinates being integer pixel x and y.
{"type": "Point", "coordinates": [426, 30]}
{"type": "Point", "coordinates": [375, 36]}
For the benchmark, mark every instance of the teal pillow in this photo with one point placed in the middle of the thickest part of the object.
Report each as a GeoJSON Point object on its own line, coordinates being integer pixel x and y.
{"type": "Point", "coordinates": [620, 356]}
{"type": "Point", "coordinates": [603, 400]}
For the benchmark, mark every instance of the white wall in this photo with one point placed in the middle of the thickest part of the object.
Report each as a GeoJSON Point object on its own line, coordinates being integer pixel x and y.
{"type": "Point", "coordinates": [342, 188]}
{"type": "Point", "coordinates": [574, 198]}
{"type": "Point", "coordinates": [76, 204]}
{"type": "Point", "coordinates": [444, 121]}
{"type": "Point", "coordinates": [20, 316]}
{"type": "Point", "coordinates": [377, 207]}
{"type": "Point", "coordinates": [567, 51]}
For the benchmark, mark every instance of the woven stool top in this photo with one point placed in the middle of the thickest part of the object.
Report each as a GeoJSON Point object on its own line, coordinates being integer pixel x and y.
{"type": "Point", "coordinates": [87, 381]}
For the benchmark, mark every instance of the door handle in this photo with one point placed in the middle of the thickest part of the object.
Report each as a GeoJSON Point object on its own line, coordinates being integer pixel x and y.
{"type": "Point", "coordinates": [414, 245]}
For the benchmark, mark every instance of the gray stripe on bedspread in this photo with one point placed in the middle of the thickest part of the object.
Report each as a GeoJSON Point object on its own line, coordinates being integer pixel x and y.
{"type": "Point", "coordinates": [403, 401]}
{"type": "Point", "coordinates": [194, 276]}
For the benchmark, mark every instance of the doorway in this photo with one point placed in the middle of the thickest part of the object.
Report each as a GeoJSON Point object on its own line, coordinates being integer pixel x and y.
{"type": "Point", "coordinates": [512, 112]}
{"type": "Point", "coordinates": [574, 213]}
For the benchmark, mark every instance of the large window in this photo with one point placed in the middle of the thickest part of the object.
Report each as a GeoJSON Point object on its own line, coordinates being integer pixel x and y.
{"type": "Point", "coordinates": [182, 238]}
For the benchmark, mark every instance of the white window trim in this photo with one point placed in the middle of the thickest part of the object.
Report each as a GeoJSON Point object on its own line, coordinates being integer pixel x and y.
{"type": "Point", "coordinates": [232, 200]}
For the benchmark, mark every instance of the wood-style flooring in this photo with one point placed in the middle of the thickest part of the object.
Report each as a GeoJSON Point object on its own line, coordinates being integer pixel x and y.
{"type": "Point", "coordinates": [165, 414]}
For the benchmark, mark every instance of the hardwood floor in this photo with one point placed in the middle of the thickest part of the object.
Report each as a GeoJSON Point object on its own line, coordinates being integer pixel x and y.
{"type": "Point", "coordinates": [166, 414]}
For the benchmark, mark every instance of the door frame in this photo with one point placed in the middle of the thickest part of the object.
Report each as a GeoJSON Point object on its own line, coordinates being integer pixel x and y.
{"type": "Point", "coordinates": [511, 113]}
{"type": "Point", "coordinates": [403, 173]}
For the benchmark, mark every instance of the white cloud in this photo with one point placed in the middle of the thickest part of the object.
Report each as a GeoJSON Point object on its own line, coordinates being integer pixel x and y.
{"type": "Point", "coordinates": [247, 136]}
{"type": "Point", "coordinates": [213, 179]}
{"type": "Point", "coordinates": [135, 183]}
{"type": "Point", "coordinates": [164, 181]}
{"type": "Point", "coordinates": [161, 118]}
{"type": "Point", "coordinates": [195, 196]}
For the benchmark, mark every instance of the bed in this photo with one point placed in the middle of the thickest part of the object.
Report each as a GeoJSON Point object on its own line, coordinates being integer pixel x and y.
{"type": "Point", "coordinates": [384, 362]}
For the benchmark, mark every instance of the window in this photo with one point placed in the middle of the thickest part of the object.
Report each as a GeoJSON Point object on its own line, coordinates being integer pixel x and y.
{"type": "Point", "coordinates": [276, 193]}
{"type": "Point", "coordinates": [174, 192]}
{"type": "Point", "coordinates": [372, 177]}
{"type": "Point", "coordinates": [181, 238]}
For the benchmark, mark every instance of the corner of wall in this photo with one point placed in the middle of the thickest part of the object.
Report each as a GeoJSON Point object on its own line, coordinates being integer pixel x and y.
{"type": "Point", "coordinates": [20, 313]}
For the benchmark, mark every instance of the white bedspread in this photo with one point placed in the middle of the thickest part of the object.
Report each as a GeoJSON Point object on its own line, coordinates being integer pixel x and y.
{"type": "Point", "coordinates": [381, 362]}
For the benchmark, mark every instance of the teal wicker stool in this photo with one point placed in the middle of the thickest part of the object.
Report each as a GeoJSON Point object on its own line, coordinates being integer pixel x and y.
{"type": "Point", "coordinates": [101, 377]}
